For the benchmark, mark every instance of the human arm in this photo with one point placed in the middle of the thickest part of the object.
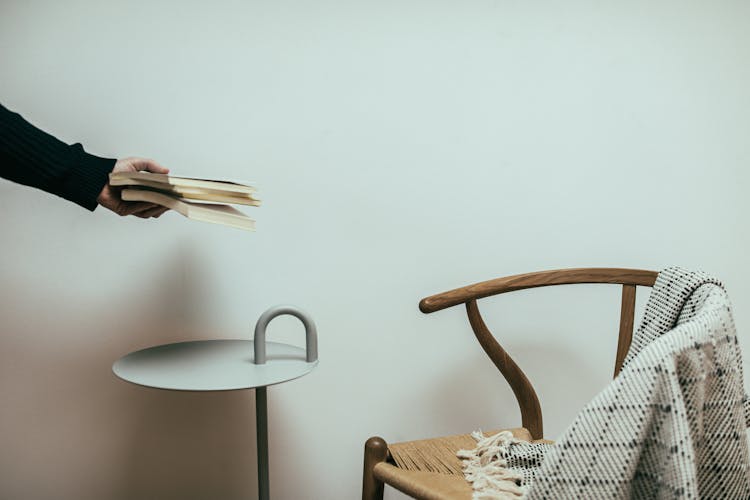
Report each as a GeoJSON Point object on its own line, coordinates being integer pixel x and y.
{"type": "Point", "coordinates": [35, 158]}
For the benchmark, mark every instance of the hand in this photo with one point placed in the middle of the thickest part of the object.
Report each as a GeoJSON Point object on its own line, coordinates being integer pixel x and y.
{"type": "Point", "coordinates": [110, 195]}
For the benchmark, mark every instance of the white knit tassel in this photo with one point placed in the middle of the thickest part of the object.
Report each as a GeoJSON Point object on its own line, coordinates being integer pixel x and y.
{"type": "Point", "coordinates": [485, 467]}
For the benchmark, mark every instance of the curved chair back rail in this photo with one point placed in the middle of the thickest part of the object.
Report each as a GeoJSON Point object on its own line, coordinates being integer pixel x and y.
{"type": "Point", "coordinates": [311, 333]}
{"type": "Point", "coordinates": [528, 402]}
{"type": "Point", "coordinates": [532, 280]}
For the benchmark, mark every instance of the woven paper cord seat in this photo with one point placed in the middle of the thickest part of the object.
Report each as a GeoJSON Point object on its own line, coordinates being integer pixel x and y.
{"type": "Point", "coordinates": [428, 469]}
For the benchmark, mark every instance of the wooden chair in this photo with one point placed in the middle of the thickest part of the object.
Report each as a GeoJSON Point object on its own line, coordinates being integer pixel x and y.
{"type": "Point", "coordinates": [391, 464]}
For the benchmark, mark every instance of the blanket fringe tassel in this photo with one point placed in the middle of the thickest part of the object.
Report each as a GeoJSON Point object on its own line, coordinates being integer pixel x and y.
{"type": "Point", "coordinates": [485, 467]}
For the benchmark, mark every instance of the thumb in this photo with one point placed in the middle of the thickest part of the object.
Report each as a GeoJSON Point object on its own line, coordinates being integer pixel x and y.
{"type": "Point", "coordinates": [150, 166]}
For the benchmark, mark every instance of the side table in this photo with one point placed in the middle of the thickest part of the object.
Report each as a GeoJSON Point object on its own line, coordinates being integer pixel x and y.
{"type": "Point", "coordinates": [227, 365]}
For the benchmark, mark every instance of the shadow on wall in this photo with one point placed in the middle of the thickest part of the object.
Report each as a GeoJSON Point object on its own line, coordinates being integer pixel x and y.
{"type": "Point", "coordinates": [185, 445]}
{"type": "Point", "coordinates": [71, 429]}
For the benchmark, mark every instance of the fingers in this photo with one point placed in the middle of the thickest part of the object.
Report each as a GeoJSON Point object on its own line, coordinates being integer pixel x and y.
{"type": "Point", "coordinates": [154, 212]}
{"type": "Point", "coordinates": [122, 208]}
{"type": "Point", "coordinates": [133, 207]}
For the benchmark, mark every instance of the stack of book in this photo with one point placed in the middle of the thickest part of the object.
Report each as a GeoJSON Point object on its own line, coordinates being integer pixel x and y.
{"type": "Point", "coordinates": [175, 192]}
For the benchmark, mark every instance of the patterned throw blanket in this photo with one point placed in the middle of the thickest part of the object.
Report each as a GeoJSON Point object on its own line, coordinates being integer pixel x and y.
{"type": "Point", "coordinates": [671, 425]}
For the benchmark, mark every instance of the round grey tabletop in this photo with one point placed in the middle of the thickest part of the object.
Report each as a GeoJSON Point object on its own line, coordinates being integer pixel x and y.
{"type": "Point", "coordinates": [212, 365]}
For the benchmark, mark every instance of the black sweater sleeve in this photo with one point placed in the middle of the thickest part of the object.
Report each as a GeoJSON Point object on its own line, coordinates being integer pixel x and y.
{"type": "Point", "coordinates": [33, 157]}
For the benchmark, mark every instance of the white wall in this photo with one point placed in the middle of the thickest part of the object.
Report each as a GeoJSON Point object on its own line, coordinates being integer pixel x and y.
{"type": "Point", "coordinates": [402, 149]}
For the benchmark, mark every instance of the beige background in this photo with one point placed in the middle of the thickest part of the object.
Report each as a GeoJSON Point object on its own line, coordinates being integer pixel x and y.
{"type": "Point", "coordinates": [402, 149]}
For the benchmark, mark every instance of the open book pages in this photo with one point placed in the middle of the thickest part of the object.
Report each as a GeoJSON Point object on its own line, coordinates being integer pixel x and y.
{"type": "Point", "coordinates": [187, 185]}
{"type": "Point", "coordinates": [206, 212]}
{"type": "Point", "coordinates": [206, 195]}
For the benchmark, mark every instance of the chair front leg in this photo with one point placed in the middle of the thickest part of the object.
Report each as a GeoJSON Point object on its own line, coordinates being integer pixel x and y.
{"type": "Point", "coordinates": [376, 451]}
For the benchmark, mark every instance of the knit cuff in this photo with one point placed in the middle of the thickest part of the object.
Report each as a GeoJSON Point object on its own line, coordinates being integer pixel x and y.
{"type": "Point", "coordinates": [86, 178]}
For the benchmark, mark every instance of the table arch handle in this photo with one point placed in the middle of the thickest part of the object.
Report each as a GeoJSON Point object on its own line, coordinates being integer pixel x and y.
{"type": "Point", "coordinates": [311, 333]}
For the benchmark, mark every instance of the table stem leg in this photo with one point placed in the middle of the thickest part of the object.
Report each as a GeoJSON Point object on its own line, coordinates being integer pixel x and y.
{"type": "Point", "coordinates": [261, 422]}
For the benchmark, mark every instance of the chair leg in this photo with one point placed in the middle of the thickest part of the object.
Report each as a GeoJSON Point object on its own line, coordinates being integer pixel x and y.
{"type": "Point", "coordinates": [376, 451]}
